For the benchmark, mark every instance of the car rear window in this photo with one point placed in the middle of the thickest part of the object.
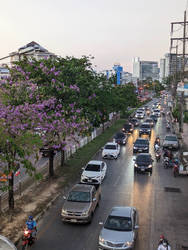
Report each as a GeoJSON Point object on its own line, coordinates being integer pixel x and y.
{"type": "Point", "coordinates": [127, 126]}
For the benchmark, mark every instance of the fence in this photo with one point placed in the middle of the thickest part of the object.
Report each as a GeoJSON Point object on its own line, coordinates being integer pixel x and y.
{"type": "Point", "coordinates": [26, 180]}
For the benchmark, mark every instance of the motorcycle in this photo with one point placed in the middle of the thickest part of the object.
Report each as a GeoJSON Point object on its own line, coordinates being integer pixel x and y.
{"type": "Point", "coordinates": [168, 126]}
{"type": "Point", "coordinates": [27, 239]}
{"type": "Point", "coordinates": [158, 155]}
{"type": "Point", "coordinates": [180, 170]}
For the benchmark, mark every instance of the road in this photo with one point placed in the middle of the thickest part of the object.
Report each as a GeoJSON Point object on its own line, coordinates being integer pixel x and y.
{"type": "Point", "coordinates": [160, 212]}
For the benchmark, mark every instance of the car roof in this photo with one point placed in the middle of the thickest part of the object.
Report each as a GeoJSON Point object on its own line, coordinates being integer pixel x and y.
{"type": "Point", "coordinates": [95, 162]}
{"type": "Point", "coordinates": [121, 211]}
{"type": "Point", "coordinates": [82, 187]}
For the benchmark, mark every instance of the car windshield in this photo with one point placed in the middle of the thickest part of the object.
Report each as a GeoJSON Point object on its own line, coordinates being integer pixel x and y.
{"type": "Point", "coordinates": [143, 158]}
{"type": "Point", "coordinates": [134, 120]}
{"type": "Point", "coordinates": [119, 135]}
{"type": "Point", "coordinates": [127, 126]}
{"type": "Point", "coordinates": [110, 146]}
{"type": "Point", "coordinates": [145, 126]}
{"type": "Point", "coordinates": [170, 138]}
{"type": "Point", "coordinates": [149, 120]}
{"type": "Point", "coordinates": [144, 142]}
{"type": "Point", "coordinates": [139, 112]}
{"type": "Point", "coordinates": [93, 167]}
{"type": "Point", "coordinates": [78, 196]}
{"type": "Point", "coordinates": [118, 223]}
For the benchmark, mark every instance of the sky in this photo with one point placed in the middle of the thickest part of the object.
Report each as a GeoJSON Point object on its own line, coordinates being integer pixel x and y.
{"type": "Point", "coordinates": [113, 31]}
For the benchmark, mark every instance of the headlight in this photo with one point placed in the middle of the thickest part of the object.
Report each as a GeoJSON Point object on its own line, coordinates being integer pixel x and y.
{"type": "Point", "coordinates": [135, 147]}
{"type": "Point", "coordinates": [145, 148]}
{"type": "Point", "coordinates": [85, 213]}
{"type": "Point", "coordinates": [64, 212]}
{"type": "Point", "coordinates": [150, 166]}
{"type": "Point", "coordinates": [102, 241]}
{"type": "Point", "coordinates": [135, 165]}
{"type": "Point", "coordinates": [128, 244]}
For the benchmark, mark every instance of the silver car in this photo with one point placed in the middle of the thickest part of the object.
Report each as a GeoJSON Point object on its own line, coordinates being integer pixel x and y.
{"type": "Point", "coordinates": [171, 142]}
{"type": "Point", "coordinates": [6, 244]}
{"type": "Point", "coordinates": [120, 229]}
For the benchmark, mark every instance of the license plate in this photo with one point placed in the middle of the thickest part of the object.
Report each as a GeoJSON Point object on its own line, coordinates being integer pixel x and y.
{"type": "Point", "coordinates": [89, 180]}
{"type": "Point", "coordinates": [73, 220]}
{"type": "Point", "coordinates": [140, 150]}
{"type": "Point", "coordinates": [142, 169]}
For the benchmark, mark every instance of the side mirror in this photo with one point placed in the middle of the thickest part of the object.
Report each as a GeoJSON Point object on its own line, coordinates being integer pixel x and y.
{"type": "Point", "coordinates": [102, 148]}
{"type": "Point", "coordinates": [94, 199]}
{"type": "Point", "coordinates": [64, 197]}
{"type": "Point", "coordinates": [83, 168]}
{"type": "Point", "coordinates": [136, 227]}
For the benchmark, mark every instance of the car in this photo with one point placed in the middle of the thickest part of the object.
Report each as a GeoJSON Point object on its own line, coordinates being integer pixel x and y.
{"type": "Point", "coordinates": [139, 114]}
{"type": "Point", "coordinates": [94, 172]}
{"type": "Point", "coordinates": [141, 145]}
{"type": "Point", "coordinates": [128, 128]}
{"type": "Point", "coordinates": [143, 163]}
{"type": "Point", "coordinates": [154, 117]}
{"type": "Point", "coordinates": [120, 138]}
{"type": "Point", "coordinates": [171, 142]}
{"type": "Point", "coordinates": [145, 129]}
{"type": "Point", "coordinates": [134, 121]}
{"type": "Point", "coordinates": [6, 244]}
{"type": "Point", "coordinates": [120, 229]}
{"type": "Point", "coordinates": [157, 112]}
{"type": "Point", "coordinates": [150, 121]}
{"type": "Point", "coordinates": [111, 150]}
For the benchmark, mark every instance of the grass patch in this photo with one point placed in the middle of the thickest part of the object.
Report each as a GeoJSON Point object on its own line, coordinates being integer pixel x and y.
{"type": "Point", "coordinates": [84, 154]}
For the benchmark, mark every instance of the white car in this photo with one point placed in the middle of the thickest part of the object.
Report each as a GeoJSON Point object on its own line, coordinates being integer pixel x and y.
{"type": "Point", "coordinates": [139, 114]}
{"type": "Point", "coordinates": [111, 150]}
{"type": "Point", "coordinates": [94, 172]}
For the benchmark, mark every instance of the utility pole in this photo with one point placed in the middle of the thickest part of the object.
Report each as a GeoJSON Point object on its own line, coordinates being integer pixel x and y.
{"type": "Point", "coordinates": [183, 39]}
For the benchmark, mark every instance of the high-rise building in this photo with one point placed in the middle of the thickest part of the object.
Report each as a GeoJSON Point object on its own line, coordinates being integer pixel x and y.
{"type": "Point", "coordinates": [162, 69]}
{"type": "Point", "coordinates": [149, 69]}
{"type": "Point", "coordinates": [173, 64]}
{"type": "Point", "coordinates": [143, 70]}
{"type": "Point", "coordinates": [136, 67]}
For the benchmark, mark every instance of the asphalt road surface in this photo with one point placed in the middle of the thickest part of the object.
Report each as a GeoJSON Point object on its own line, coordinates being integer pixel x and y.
{"type": "Point", "coordinates": [160, 212]}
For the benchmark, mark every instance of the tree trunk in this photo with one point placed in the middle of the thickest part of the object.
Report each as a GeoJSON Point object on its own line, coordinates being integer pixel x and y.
{"type": "Point", "coordinates": [11, 192]}
{"type": "Point", "coordinates": [51, 163]}
{"type": "Point", "coordinates": [62, 157]}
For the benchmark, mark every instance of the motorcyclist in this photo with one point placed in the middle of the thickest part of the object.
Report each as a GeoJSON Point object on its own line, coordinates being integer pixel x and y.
{"type": "Point", "coordinates": [157, 140]}
{"type": "Point", "coordinates": [164, 245]}
{"type": "Point", "coordinates": [157, 147]}
{"type": "Point", "coordinates": [32, 226]}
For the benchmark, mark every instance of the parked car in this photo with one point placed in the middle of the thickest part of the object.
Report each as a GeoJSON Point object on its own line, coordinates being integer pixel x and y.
{"type": "Point", "coordinates": [81, 202]}
{"type": "Point", "coordinates": [134, 121]}
{"type": "Point", "coordinates": [141, 145]}
{"type": "Point", "coordinates": [128, 128]}
{"type": "Point", "coordinates": [120, 138]}
{"type": "Point", "coordinates": [145, 129]}
{"type": "Point", "coordinates": [143, 163]}
{"type": "Point", "coordinates": [154, 117]}
{"type": "Point", "coordinates": [139, 114]}
{"type": "Point", "coordinates": [171, 142]}
{"type": "Point", "coordinates": [111, 150]}
{"type": "Point", "coordinates": [6, 244]}
{"type": "Point", "coordinates": [120, 229]}
{"type": "Point", "coordinates": [150, 121]}
{"type": "Point", "coordinates": [94, 172]}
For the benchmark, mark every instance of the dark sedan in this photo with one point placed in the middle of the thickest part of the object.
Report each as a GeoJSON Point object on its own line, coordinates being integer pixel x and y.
{"type": "Point", "coordinates": [128, 128]}
{"type": "Point", "coordinates": [120, 138]}
{"type": "Point", "coordinates": [141, 145]}
{"type": "Point", "coordinates": [154, 117]}
{"type": "Point", "coordinates": [134, 121]}
{"type": "Point", "coordinates": [143, 163]}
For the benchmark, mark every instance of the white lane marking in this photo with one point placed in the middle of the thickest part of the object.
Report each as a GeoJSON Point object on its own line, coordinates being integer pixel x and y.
{"type": "Point", "coordinates": [117, 181]}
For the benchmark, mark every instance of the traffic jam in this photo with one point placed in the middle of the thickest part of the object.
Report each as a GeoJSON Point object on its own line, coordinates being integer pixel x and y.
{"type": "Point", "coordinates": [121, 227]}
